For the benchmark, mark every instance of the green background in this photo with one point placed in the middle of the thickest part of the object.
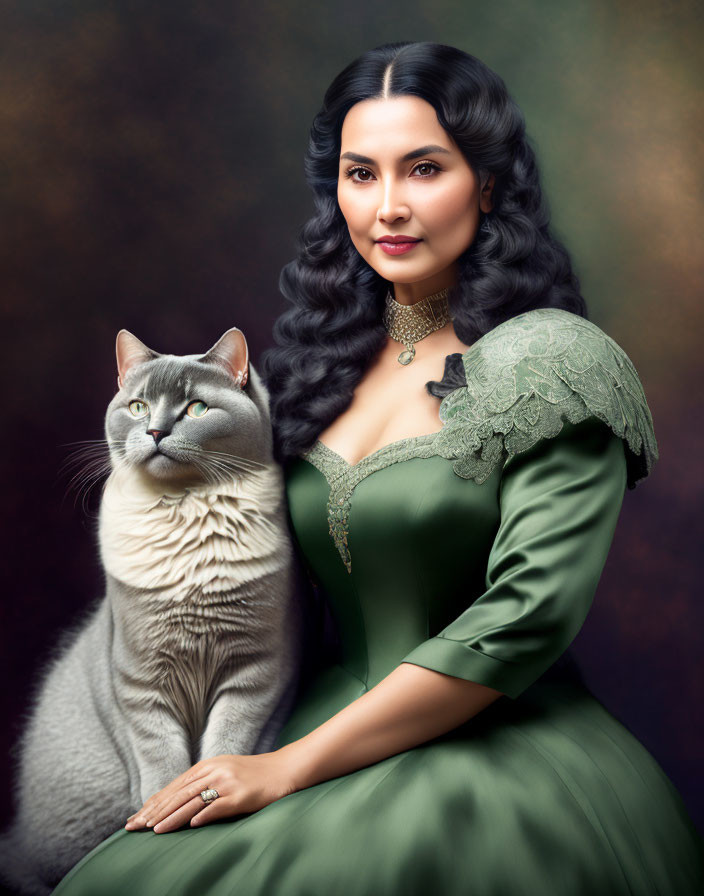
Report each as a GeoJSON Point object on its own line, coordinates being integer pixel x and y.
{"type": "Point", "coordinates": [151, 178]}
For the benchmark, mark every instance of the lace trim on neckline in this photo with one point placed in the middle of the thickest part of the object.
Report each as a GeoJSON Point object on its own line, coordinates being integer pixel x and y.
{"type": "Point", "coordinates": [343, 477]}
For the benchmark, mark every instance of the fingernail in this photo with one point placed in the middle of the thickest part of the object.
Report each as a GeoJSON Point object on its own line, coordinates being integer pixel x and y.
{"type": "Point", "coordinates": [149, 824]}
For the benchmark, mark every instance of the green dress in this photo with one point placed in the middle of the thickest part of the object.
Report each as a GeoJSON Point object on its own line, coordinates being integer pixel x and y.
{"type": "Point", "coordinates": [475, 551]}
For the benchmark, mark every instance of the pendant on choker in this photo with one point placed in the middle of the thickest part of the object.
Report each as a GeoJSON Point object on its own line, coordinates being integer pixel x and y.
{"type": "Point", "coordinates": [409, 324]}
{"type": "Point", "coordinates": [407, 356]}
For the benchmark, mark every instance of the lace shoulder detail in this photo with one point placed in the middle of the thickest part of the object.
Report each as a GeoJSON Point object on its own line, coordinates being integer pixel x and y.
{"type": "Point", "coordinates": [513, 387]}
{"type": "Point", "coordinates": [528, 375]}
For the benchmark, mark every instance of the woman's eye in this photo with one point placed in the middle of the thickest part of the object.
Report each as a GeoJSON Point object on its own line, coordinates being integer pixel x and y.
{"type": "Point", "coordinates": [138, 408]}
{"type": "Point", "coordinates": [196, 409]}
{"type": "Point", "coordinates": [362, 175]}
{"type": "Point", "coordinates": [425, 169]}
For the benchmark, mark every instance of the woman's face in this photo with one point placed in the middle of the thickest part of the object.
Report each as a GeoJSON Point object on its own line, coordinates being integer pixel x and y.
{"type": "Point", "coordinates": [402, 175]}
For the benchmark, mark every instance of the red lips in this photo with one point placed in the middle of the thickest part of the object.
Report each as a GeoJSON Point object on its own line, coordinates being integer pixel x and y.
{"type": "Point", "coordinates": [397, 245]}
{"type": "Point", "coordinates": [399, 238]}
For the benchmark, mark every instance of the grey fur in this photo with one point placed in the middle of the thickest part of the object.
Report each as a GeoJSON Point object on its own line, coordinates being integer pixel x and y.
{"type": "Point", "coordinates": [203, 661]}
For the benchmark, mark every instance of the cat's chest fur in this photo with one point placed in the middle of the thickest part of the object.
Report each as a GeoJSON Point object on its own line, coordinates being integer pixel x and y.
{"type": "Point", "coordinates": [187, 552]}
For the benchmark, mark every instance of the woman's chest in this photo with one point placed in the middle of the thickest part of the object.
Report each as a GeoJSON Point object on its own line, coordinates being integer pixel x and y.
{"type": "Point", "coordinates": [390, 404]}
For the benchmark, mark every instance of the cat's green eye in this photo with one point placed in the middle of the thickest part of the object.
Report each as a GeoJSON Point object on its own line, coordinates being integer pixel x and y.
{"type": "Point", "coordinates": [138, 408]}
{"type": "Point", "coordinates": [196, 409]}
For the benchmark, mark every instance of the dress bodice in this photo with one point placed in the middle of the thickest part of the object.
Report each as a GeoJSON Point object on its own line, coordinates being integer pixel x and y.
{"type": "Point", "coordinates": [476, 550]}
{"type": "Point", "coordinates": [418, 536]}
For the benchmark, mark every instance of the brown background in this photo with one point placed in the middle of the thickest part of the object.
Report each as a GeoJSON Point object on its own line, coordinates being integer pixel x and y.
{"type": "Point", "coordinates": [151, 178]}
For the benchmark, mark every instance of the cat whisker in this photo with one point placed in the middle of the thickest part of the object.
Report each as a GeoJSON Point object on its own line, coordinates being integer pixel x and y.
{"type": "Point", "coordinates": [210, 475]}
{"type": "Point", "coordinates": [224, 461]}
{"type": "Point", "coordinates": [92, 446]}
{"type": "Point", "coordinates": [213, 471]}
{"type": "Point", "coordinates": [225, 469]}
{"type": "Point", "coordinates": [248, 460]}
{"type": "Point", "coordinates": [83, 483]}
{"type": "Point", "coordinates": [80, 458]}
{"type": "Point", "coordinates": [234, 462]}
{"type": "Point", "coordinates": [95, 447]}
{"type": "Point", "coordinates": [228, 468]}
{"type": "Point", "coordinates": [90, 471]}
{"type": "Point", "coordinates": [86, 468]}
{"type": "Point", "coordinates": [90, 442]}
{"type": "Point", "coordinates": [86, 465]}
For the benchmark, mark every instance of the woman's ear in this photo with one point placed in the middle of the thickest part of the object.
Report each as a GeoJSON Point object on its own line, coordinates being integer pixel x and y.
{"type": "Point", "coordinates": [486, 200]}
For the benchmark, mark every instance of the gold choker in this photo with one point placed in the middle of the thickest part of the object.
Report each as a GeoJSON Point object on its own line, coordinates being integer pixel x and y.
{"type": "Point", "coordinates": [411, 323]}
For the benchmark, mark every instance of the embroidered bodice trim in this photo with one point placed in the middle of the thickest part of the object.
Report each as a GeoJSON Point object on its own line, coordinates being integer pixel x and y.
{"type": "Point", "coordinates": [523, 379]}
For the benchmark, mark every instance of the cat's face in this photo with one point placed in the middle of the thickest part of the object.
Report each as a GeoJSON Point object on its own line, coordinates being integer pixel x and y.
{"type": "Point", "coordinates": [192, 419]}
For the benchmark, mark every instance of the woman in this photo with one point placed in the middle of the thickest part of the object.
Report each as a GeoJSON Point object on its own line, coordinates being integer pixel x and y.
{"type": "Point", "coordinates": [459, 542]}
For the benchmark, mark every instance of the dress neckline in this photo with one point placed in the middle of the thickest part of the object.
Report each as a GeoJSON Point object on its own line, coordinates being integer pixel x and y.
{"type": "Point", "coordinates": [410, 441]}
{"type": "Point", "coordinates": [407, 441]}
{"type": "Point", "coordinates": [343, 478]}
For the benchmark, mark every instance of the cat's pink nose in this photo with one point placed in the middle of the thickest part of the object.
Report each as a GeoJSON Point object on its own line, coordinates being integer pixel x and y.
{"type": "Point", "coordinates": [157, 433]}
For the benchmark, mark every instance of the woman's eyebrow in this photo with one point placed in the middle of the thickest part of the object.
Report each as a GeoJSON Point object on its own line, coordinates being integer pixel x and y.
{"type": "Point", "coordinates": [413, 154]}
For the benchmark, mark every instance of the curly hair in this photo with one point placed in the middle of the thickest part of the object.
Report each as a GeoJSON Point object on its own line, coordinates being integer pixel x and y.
{"type": "Point", "coordinates": [333, 330]}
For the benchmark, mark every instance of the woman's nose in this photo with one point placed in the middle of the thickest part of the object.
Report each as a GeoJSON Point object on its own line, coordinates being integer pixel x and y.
{"type": "Point", "coordinates": [393, 205]}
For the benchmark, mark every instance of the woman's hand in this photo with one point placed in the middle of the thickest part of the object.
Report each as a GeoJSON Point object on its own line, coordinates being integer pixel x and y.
{"type": "Point", "coordinates": [245, 784]}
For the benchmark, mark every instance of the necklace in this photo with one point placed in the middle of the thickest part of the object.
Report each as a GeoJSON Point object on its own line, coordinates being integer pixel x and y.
{"type": "Point", "coordinates": [411, 323]}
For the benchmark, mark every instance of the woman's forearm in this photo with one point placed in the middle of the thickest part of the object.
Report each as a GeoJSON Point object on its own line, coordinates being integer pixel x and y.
{"type": "Point", "coordinates": [410, 706]}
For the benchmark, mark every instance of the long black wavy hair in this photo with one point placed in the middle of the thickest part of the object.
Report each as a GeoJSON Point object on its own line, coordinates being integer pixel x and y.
{"type": "Point", "coordinates": [333, 330]}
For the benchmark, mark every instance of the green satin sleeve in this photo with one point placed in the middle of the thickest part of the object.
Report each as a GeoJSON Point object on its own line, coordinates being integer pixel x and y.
{"type": "Point", "coordinates": [559, 505]}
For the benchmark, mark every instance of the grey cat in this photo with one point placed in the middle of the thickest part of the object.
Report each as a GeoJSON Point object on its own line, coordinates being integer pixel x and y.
{"type": "Point", "coordinates": [196, 648]}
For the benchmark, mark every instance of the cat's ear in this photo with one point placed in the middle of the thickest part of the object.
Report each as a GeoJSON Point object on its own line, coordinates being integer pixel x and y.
{"type": "Point", "coordinates": [130, 352]}
{"type": "Point", "coordinates": [232, 353]}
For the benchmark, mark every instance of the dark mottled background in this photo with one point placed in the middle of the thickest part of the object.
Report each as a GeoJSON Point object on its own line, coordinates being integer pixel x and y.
{"type": "Point", "coordinates": [151, 178]}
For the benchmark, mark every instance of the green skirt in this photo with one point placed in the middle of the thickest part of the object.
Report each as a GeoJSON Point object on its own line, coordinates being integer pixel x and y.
{"type": "Point", "coordinates": [544, 794]}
